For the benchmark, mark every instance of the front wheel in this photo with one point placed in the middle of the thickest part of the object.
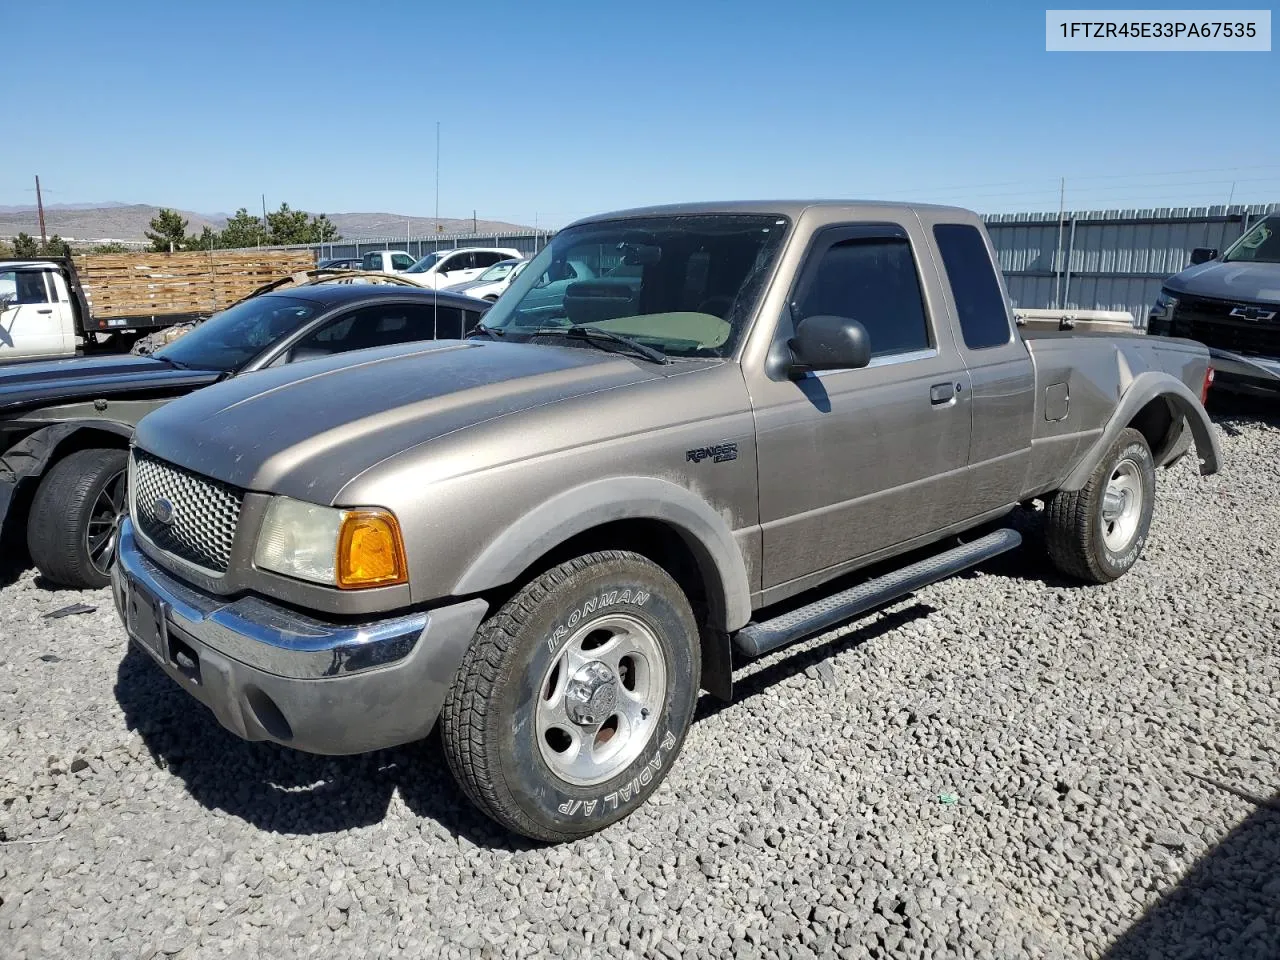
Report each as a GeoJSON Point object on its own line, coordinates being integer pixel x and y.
{"type": "Point", "coordinates": [1097, 533]}
{"type": "Point", "coordinates": [574, 699]}
{"type": "Point", "coordinates": [71, 530]}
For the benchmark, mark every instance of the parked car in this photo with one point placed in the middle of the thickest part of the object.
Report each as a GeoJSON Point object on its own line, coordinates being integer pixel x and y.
{"type": "Point", "coordinates": [344, 263]}
{"type": "Point", "coordinates": [1231, 304]}
{"type": "Point", "coordinates": [447, 267]}
{"type": "Point", "coordinates": [386, 261]}
{"type": "Point", "coordinates": [65, 425]}
{"type": "Point", "coordinates": [550, 537]}
{"type": "Point", "coordinates": [490, 284]}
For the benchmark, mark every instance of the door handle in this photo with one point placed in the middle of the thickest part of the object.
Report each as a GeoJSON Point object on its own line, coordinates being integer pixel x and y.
{"type": "Point", "coordinates": [942, 393]}
{"type": "Point", "coordinates": [45, 310]}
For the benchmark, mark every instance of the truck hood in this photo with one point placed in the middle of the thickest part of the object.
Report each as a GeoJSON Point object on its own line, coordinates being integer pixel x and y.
{"type": "Point", "coordinates": [1240, 280]}
{"type": "Point", "coordinates": [306, 434]}
{"type": "Point", "coordinates": [44, 383]}
{"type": "Point", "coordinates": [468, 285]}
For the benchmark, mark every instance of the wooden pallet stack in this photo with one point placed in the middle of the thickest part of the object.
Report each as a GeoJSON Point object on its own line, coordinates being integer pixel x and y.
{"type": "Point", "coordinates": [155, 284]}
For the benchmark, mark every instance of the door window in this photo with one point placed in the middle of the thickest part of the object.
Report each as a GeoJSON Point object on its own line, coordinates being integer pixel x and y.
{"type": "Point", "coordinates": [380, 326]}
{"type": "Point", "coordinates": [401, 261]}
{"type": "Point", "coordinates": [487, 258]}
{"type": "Point", "coordinates": [371, 261]}
{"type": "Point", "coordinates": [459, 261]}
{"type": "Point", "coordinates": [984, 319]}
{"type": "Point", "coordinates": [873, 281]}
{"type": "Point", "coordinates": [23, 286]}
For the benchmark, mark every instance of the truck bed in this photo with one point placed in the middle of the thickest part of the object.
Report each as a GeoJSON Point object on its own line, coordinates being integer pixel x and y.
{"type": "Point", "coordinates": [1079, 376]}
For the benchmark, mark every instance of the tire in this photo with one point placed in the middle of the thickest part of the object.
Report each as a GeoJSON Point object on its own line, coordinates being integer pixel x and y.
{"type": "Point", "coordinates": [510, 720]}
{"type": "Point", "coordinates": [65, 533]}
{"type": "Point", "coordinates": [1085, 536]}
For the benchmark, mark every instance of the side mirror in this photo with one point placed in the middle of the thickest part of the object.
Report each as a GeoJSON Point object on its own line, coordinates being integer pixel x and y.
{"type": "Point", "coordinates": [829, 343]}
{"type": "Point", "coordinates": [1203, 255]}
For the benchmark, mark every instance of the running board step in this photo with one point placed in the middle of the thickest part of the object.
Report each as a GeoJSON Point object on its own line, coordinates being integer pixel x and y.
{"type": "Point", "coordinates": [756, 639]}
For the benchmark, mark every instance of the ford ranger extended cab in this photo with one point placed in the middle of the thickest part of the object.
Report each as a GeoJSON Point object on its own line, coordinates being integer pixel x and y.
{"type": "Point", "coordinates": [550, 536]}
{"type": "Point", "coordinates": [1231, 304]}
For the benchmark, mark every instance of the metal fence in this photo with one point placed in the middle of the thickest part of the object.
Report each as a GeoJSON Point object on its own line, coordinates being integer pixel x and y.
{"type": "Point", "coordinates": [528, 243]}
{"type": "Point", "coordinates": [1081, 260]}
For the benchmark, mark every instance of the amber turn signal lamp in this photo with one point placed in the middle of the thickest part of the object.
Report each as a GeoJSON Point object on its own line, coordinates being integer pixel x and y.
{"type": "Point", "coordinates": [370, 551]}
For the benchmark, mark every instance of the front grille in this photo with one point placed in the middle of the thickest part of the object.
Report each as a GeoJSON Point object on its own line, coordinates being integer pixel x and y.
{"type": "Point", "coordinates": [1211, 323]}
{"type": "Point", "coordinates": [184, 514]}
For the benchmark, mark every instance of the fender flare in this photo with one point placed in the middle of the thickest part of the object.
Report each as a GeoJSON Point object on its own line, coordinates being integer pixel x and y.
{"type": "Point", "coordinates": [27, 458]}
{"type": "Point", "coordinates": [599, 502]}
{"type": "Point", "coordinates": [1145, 388]}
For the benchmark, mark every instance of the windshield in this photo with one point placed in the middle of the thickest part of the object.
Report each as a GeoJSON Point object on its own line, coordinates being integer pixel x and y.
{"type": "Point", "coordinates": [498, 270]}
{"type": "Point", "coordinates": [685, 285]}
{"type": "Point", "coordinates": [426, 263]}
{"type": "Point", "coordinates": [228, 340]}
{"type": "Point", "coordinates": [1261, 244]}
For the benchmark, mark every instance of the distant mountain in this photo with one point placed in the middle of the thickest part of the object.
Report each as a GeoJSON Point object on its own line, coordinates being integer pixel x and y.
{"type": "Point", "coordinates": [129, 221]}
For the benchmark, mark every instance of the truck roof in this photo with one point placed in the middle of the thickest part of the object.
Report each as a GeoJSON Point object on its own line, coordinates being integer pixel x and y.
{"type": "Point", "coordinates": [13, 264]}
{"type": "Point", "coordinates": [787, 208]}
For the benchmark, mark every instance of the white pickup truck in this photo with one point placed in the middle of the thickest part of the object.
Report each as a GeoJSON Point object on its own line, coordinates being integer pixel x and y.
{"type": "Point", "coordinates": [42, 311]}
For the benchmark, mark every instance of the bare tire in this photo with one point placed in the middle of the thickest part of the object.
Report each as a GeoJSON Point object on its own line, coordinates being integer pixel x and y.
{"type": "Point", "coordinates": [1097, 533]}
{"type": "Point", "coordinates": [71, 529]}
{"type": "Point", "coordinates": [573, 700]}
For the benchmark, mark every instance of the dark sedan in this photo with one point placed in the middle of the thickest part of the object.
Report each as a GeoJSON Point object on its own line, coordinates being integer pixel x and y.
{"type": "Point", "coordinates": [65, 425]}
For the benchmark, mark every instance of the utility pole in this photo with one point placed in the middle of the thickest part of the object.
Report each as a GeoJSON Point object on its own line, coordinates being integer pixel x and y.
{"type": "Point", "coordinates": [263, 232]}
{"type": "Point", "coordinates": [1057, 260]}
{"type": "Point", "coordinates": [437, 176]}
{"type": "Point", "coordinates": [474, 228]}
{"type": "Point", "coordinates": [44, 240]}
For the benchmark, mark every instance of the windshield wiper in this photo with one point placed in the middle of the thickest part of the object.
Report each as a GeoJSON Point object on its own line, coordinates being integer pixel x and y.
{"type": "Point", "coordinates": [176, 364]}
{"type": "Point", "coordinates": [582, 332]}
{"type": "Point", "coordinates": [484, 331]}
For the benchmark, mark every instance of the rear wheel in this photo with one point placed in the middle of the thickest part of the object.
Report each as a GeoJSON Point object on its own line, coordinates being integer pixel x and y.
{"type": "Point", "coordinates": [1097, 533]}
{"type": "Point", "coordinates": [574, 698]}
{"type": "Point", "coordinates": [71, 530]}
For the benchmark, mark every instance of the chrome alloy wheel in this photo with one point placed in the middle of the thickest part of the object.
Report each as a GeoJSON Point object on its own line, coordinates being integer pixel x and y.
{"type": "Point", "coordinates": [100, 532]}
{"type": "Point", "coordinates": [1122, 506]}
{"type": "Point", "coordinates": [600, 700]}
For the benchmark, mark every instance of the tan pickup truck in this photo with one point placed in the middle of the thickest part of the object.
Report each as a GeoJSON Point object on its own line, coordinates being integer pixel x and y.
{"type": "Point", "coordinates": [550, 536]}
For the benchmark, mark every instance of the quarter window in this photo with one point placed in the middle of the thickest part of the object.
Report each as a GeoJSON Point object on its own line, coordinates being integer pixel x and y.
{"type": "Point", "coordinates": [873, 281]}
{"type": "Point", "coordinates": [984, 318]}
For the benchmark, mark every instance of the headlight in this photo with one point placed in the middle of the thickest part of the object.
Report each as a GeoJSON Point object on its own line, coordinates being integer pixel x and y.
{"type": "Point", "coordinates": [349, 549]}
{"type": "Point", "coordinates": [1165, 304]}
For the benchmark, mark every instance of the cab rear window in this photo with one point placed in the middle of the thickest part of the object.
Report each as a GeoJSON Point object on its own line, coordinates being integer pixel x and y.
{"type": "Point", "coordinates": [984, 319]}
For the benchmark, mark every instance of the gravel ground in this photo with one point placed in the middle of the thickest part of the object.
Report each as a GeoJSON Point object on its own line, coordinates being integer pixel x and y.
{"type": "Point", "coordinates": [1004, 764]}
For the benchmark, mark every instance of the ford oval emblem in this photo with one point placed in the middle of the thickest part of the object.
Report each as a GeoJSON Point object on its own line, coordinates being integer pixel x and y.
{"type": "Point", "coordinates": [162, 510]}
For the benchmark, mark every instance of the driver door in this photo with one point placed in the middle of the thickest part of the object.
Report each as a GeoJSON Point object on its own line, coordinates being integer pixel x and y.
{"type": "Point", "coordinates": [458, 268]}
{"type": "Point", "coordinates": [853, 462]}
{"type": "Point", "coordinates": [31, 322]}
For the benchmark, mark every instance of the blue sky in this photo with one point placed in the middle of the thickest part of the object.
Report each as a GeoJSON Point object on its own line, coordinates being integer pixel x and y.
{"type": "Point", "coordinates": [552, 110]}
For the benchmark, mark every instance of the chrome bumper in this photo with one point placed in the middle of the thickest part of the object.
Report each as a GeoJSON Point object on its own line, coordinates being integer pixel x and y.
{"type": "Point", "coordinates": [270, 673]}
